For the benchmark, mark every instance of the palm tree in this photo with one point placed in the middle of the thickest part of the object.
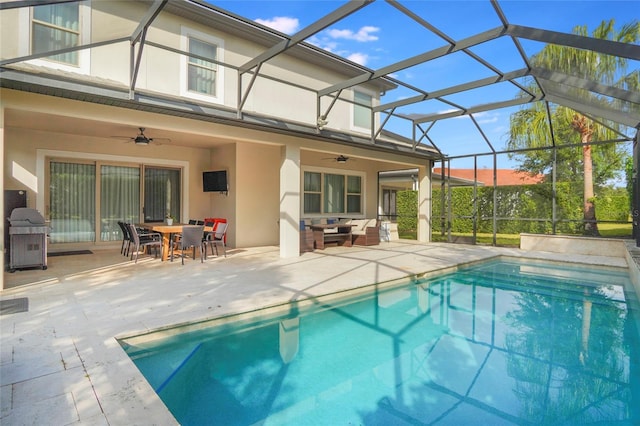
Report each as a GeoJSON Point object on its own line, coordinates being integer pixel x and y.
{"type": "Point", "coordinates": [529, 127]}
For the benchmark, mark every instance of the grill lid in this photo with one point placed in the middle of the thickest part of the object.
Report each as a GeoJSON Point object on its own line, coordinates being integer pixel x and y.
{"type": "Point", "coordinates": [23, 216]}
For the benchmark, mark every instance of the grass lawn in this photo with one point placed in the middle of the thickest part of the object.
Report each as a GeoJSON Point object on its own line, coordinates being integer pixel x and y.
{"type": "Point", "coordinates": [607, 230]}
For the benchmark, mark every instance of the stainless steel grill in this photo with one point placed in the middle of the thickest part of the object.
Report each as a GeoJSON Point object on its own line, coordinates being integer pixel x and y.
{"type": "Point", "coordinates": [28, 245]}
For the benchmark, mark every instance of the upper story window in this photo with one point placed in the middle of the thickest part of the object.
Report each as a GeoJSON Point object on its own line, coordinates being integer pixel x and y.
{"type": "Point", "coordinates": [50, 27]}
{"type": "Point", "coordinates": [362, 110]}
{"type": "Point", "coordinates": [201, 75]}
{"type": "Point", "coordinates": [54, 27]}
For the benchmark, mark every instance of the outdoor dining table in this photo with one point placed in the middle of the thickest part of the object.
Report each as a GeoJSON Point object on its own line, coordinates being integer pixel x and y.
{"type": "Point", "coordinates": [342, 235]}
{"type": "Point", "coordinates": [167, 232]}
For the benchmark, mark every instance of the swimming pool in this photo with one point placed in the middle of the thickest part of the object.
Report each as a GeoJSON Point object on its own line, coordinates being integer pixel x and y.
{"type": "Point", "coordinates": [501, 342]}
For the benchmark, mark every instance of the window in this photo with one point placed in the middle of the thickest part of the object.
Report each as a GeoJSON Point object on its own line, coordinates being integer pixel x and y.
{"type": "Point", "coordinates": [362, 110]}
{"type": "Point", "coordinates": [312, 192]}
{"type": "Point", "coordinates": [56, 26]}
{"type": "Point", "coordinates": [354, 195]}
{"type": "Point", "coordinates": [49, 27]}
{"type": "Point", "coordinates": [201, 76]}
{"type": "Point", "coordinates": [331, 193]}
{"type": "Point", "coordinates": [334, 193]}
{"type": "Point", "coordinates": [201, 73]}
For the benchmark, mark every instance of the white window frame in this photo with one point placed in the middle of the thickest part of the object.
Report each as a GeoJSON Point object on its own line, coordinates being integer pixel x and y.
{"type": "Point", "coordinates": [187, 33]}
{"type": "Point", "coordinates": [323, 171]}
{"type": "Point", "coordinates": [25, 16]}
{"type": "Point", "coordinates": [353, 112]}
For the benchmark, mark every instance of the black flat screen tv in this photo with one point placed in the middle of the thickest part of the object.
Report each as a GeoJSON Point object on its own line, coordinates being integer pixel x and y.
{"type": "Point", "coordinates": [215, 181]}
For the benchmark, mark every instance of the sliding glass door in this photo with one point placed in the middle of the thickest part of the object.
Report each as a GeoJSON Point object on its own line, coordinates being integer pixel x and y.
{"type": "Point", "coordinates": [72, 202]}
{"type": "Point", "coordinates": [87, 199]}
{"type": "Point", "coordinates": [119, 199]}
{"type": "Point", "coordinates": [161, 194]}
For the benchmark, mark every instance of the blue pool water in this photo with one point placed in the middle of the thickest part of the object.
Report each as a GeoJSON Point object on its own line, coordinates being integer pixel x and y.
{"type": "Point", "coordinates": [499, 343]}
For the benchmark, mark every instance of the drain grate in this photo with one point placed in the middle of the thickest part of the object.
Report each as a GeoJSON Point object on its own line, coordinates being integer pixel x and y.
{"type": "Point", "coordinates": [14, 306]}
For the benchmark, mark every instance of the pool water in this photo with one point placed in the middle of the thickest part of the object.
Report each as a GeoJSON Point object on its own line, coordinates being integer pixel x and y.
{"type": "Point", "coordinates": [502, 342]}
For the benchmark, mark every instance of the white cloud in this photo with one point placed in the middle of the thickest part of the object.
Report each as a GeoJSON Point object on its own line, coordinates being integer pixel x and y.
{"type": "Point", "coordinates": [487, 117]}
{"type": "Point", "coordinates": [487, 120]}
{"type": "Point", "coordinates": [358, 58]}
{"type": "Point", "coordinates": [323, 43]}
{"type": "Point", "coordinates": [284, 24]}
{"type": "Point", "coordinates": [364, 34]}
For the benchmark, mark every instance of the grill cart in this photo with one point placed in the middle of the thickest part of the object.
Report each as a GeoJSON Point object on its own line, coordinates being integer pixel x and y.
{"type": "Point", "coordinates": [28, 234]}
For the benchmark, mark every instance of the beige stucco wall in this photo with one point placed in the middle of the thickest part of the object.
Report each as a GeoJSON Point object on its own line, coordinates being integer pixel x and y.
{"type": "Point", "coordinates": [22, 148]}
{"type": "Point", "coordinates": [257, 206]}
{"type": "Point", "coordinates": [252, 158]}
{"type": "Point", "coordinates": [161, 71]}
{"type": "Point", "coordinates": [8, 31]}
{"type": "Point", "coordinates": [224, 205]}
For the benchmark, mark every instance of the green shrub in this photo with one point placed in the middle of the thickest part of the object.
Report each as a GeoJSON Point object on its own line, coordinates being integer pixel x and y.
{"type": "Point", "coordinates": [524, 208]}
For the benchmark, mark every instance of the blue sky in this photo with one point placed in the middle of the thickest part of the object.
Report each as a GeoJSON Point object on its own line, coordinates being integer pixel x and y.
{"type": "Point", "coordinates": [380, 35]}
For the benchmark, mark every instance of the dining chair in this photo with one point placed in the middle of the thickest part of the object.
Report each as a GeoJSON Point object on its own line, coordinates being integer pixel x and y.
{"type": "Point", "coordinates": [191, 238]}
{"type": "Point", "coordinates": [207, 224]}
{"type": "Point", "coordinates": [217, 237]}
{"type": "Point", "coordinates": [126, 238]}
{"type": "Point", "coordinates": [148, 239]}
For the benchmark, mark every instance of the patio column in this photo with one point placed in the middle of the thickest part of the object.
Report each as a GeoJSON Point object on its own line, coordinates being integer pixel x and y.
{"type": "Point", "coordinates": [424, 204]}
{"type": "Point", "coordinates": [290, 201]}
{"type": "Point", "coordinates": [3, 220]}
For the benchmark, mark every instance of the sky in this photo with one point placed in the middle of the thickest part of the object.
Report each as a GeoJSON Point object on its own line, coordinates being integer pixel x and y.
{"type": "Point", "coordinates": [379, 35]}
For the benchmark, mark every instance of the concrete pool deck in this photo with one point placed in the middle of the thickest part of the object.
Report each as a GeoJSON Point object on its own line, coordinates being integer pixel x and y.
{"type": "Point", "coordinates": [60, 363]}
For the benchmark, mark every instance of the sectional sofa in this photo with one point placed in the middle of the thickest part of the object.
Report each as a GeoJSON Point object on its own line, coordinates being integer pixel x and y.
{"type": "Point", "coordinates": [364, 232]}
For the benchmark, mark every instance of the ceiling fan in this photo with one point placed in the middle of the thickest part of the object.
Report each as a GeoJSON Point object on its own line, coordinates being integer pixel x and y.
{"type": "Point", "coordinates": [142, 139]}
{"type": "Point", "coordinates": [339, 159]}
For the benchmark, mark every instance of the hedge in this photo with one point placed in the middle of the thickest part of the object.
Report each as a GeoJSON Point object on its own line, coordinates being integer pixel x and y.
{"type": "Point", "coordinates": [525, 208]}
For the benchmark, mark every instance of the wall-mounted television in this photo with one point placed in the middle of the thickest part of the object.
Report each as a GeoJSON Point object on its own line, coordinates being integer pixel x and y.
{"type": "Point", "coordinates": [215, 181]}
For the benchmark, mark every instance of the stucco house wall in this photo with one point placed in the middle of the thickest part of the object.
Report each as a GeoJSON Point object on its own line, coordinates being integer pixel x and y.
{"type": "Point", "coordinates": [252, 155]}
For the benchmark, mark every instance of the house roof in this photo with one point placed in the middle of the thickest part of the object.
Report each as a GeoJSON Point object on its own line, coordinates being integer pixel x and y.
{"type": "Point", "coordinates": [504, 177]}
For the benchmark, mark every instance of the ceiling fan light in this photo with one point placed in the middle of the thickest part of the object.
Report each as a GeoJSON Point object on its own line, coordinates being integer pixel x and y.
{"type": "Point", "coordinates": [141, 140]}
{"type": "Point", "coordinates": [341, 159]}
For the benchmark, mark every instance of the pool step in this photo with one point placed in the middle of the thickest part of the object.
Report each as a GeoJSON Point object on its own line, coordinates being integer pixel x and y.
{"type": "Point", "coordinates": [548, 286]}
{"type": "Point", "coordinates": [177, 370]}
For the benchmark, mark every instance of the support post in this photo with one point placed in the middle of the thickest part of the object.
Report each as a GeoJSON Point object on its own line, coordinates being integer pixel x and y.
{"type": "Point", "coordinates": [290, 201]}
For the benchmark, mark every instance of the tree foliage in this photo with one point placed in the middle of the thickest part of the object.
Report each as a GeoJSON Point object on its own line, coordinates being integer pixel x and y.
{"type": "Point", "coordinates": [529, 127]}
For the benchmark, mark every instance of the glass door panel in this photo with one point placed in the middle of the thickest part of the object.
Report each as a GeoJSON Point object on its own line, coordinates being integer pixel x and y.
{"type": "Point", "coordinates": [72, 202]}
{"type": "Point", "coordinates": [161, 194]}
{"type": "Point", "coordinates": [119, 199]}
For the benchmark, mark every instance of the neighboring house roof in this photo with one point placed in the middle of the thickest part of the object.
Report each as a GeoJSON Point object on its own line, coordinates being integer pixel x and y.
{"type": "Point", "coordinates": [504, 177]}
